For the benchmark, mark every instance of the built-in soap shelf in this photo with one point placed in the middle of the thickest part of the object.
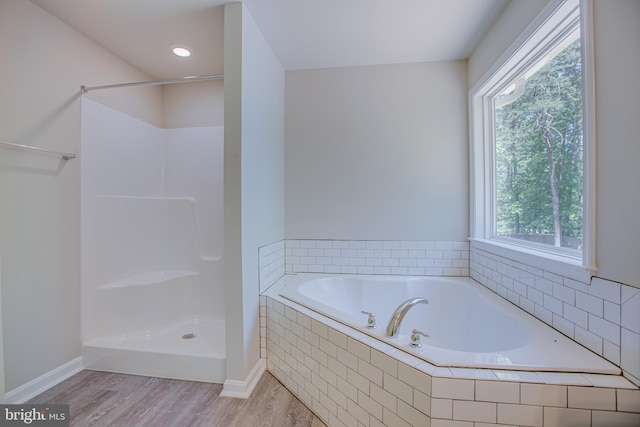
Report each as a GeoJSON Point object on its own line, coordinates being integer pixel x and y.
{"type": "Point", "coordinates": [150, 278]}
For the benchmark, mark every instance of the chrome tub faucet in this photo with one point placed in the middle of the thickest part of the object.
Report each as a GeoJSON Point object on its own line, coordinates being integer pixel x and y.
{"type": "Point", "coordinates": [393, 328]}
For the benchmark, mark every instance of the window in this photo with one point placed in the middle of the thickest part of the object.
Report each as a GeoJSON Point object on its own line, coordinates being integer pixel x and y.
{"type": "Point", "coordinates": [531, 146]}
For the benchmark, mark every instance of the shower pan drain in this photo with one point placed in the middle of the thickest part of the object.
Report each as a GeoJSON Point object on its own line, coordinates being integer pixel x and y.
{"type": "Point", "coordinates": [188, 336]}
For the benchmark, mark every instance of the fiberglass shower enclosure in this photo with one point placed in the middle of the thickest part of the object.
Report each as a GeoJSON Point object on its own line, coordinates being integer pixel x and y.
{"type": "Point", "coordinates": [152, 230]}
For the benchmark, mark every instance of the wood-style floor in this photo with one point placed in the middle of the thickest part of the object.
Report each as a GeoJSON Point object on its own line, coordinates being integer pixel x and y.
{"type": "Point", "coordinates": [119, 400]}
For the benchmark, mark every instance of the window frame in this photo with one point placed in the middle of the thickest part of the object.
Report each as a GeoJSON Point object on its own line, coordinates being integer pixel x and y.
{"type": "Point", "coordinates": [558, 19]}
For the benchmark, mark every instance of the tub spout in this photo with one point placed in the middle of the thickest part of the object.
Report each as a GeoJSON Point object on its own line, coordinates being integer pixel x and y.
{"type": "Point", "coordinates": [393, 328]}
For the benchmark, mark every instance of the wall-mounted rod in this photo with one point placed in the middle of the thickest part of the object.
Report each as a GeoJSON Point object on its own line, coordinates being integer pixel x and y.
{"type": "Point", "coordinates": [86, 89]}
{"type": "Point", "coordinates": [65, 156]}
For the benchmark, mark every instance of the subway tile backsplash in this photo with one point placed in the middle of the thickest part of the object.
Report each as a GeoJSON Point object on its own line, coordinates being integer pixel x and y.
{"type": "Point", "coordinates": [411, 257]}
{"type": "Point", "coordinates": [602, 315]}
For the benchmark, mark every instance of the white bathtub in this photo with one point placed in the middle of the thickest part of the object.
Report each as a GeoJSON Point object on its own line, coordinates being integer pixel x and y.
{"type": "Point", "coordinates": [468, 325]}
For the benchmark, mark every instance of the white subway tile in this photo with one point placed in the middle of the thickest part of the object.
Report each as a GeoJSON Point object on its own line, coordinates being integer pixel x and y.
{"type": "Point", "coordinates": [369, 405]}
{"type": "Point", "coordinates": [589, 340]}
{"type": "Point", "coordinates": [383, 397]}
{"type": "Point", "coordinates": [628, 400]}
{"type": "Point", "coordinates": [411, 415]}
{"type": "Point", "coordinates": [544, 285]}
{"type": "Point", "coordinates": [544, 314]}
{"type": "Point", "coordinates": [497, 391]}
{"type": "Point", "coordinates": [408, 262]}
{"type": "Point", "coordinates": [617, 419]}
{"type": "Point", "coordinates": [408, 244]}
{"type": "Point", "coordinates": [521, 376]}
{"type": "Point", "coordinates": [370, 372]}
{"type": "Point", "coordinates": [592, 398]}
{"type": "Point", "coordinates": [348, 389]}
{"type": "Point", "coordinates": [605, 289]}
{"type": "Point", "coordinates": [563, 325]}
{"type": "Point", "coordinates": [333, 252]}
{"type": "Point", "coordinates": [384, 362]}
{"type": "Point", "coordinates": [333, 269]}
{"type": "Point", "coordinates": [398, 388]}
{"type": "Point", "coordinates": [348, 253]}
{"type": "Point", "coordinates": [373, 244]}
{"type": "Point", "coordinates": [391, 419]}
{"type": "Point", "coordinates": [358, 381]}
{"type": "Point", "coordinates": [604, 329]}
{"type": "Point", "coordinates": [357, 244]}
{"type": "Point", "coordinates": [578, 286]}
{"type": "Point", "coordinates": [522, 415]}
{"type": "Point", "coordinates": [359, 349]}
{"type": "Point", "coordinates": [344, 418]}
{"type": "Point", "coordinates": [390, 244]}
{"type": "Point", "coordinates": [563, 417]}
{"type": "Point", "coordinates": [425, 262]}
{"type": "Point", "coordinates": [442, 408]}
{"type": "Point", "coordinates": [416, 271]}
{"type": "Point", "coordinates": [543, 395]}
{"type": "Point", "coordinates": [426, 245]}
{"type": "Point", "coordinates": [564, 293]}
{"type": "Point", "coordinates": [465, 410]}
{"type": "Point", "coordinates": [553, 277]}
{"type": "Point", "coordinates": [612, 312]}
{"type": "Point", "coordinates": [564, 378]}
{"type": "Point", "coordinates": [590, 303]}
{"type": "Point", "coordinates": [576, 316]}
{"type": "Point", "coordinates": [630, 352]}
{"type": "Point", "coordinates": [535, 295]}
{"type": "Point", "coordinates": [373, 262]}
{"type": "Point", "coordinates": [553, 304]}
{"type": "Point", "coordinates": [630, 313]}
{"type": "Point", "coordinates": [451, 388]}
{"type": "Point", "coordinates": [338, 368]}
{"type": "Point", "coordinates": [473, 374]}
{"type": "Point", "coordinates": [390, 262]}
{"type": "Point", "coordinates": [359, 413]}
{"type": "Point", "coordinates": [422, 402]}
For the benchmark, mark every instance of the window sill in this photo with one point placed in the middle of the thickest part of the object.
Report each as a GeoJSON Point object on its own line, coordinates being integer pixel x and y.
{"type": "Point", "coordinates": [563, 266]}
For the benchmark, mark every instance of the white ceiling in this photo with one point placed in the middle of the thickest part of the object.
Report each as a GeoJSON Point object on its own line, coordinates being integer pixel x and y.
{"type": "Point", "coordinates": [302, 33]}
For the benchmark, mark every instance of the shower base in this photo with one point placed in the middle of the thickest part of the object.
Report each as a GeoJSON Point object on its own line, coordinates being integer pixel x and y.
{"type": "Point", "coordinates": [187, 350]}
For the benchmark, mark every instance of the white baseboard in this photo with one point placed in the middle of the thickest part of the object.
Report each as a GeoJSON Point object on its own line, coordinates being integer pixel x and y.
{"type": "Point", "coordinates": [44, 382]}
{"type": "Point", "coordinates": [243, 389]}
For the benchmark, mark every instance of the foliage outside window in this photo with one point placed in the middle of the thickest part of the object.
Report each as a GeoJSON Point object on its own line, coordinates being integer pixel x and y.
{"type": "Point", "coordinates": [531, 141]}
{"type": "Point", "coordinates": [538, 154]}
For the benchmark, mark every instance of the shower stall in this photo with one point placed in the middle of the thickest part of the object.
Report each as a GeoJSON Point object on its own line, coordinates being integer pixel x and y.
{"type": "Point", "coordinates": [152, 241]}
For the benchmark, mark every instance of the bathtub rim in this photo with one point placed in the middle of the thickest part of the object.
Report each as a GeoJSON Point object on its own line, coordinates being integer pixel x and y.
{"type": "Point", "coordinates": [532, 376]}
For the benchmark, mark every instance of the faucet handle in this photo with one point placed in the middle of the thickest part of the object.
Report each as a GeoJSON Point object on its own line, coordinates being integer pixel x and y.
{"type": "Point", "coordinates": [415, 338]}
{"type": "Point", "coordinates": [371, 321]}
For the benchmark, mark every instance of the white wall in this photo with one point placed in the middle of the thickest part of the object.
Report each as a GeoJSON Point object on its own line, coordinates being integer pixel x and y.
{"type": "Point", "coordinates": [377, 152]}
{"type": "Point", "coordinates": [617, 60]}
{"type": "Point", "coordinates": [617, 55]}
{"type": "Point", "coordinates": [254, 178]}
{"type": "Point", "coordinates": [44, 63]}
{"type": "Point", "coordinates": [194, 104]}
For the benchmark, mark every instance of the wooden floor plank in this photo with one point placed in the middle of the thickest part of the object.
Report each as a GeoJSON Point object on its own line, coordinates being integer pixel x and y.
{"type": "Point", "coordinates": [100, 399]}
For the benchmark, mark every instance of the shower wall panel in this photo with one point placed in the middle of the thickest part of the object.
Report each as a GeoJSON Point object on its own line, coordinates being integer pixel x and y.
{"type": "Point", "coordinates": [151, 224]}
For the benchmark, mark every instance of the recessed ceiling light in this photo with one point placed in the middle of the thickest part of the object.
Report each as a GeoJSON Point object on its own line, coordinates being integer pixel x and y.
{"type": "Point", "coordinates": [182, 51]}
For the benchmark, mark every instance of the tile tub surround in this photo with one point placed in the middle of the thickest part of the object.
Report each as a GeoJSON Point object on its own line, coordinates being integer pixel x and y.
{"type": "Point", "coordinates": [349, 379]}
{"type": "Point", "coordinates": [271, 263]}
{"type": "Point", "coordinates": [401, 257]}
{"type": "Point", "coordinates": [602, 315]}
